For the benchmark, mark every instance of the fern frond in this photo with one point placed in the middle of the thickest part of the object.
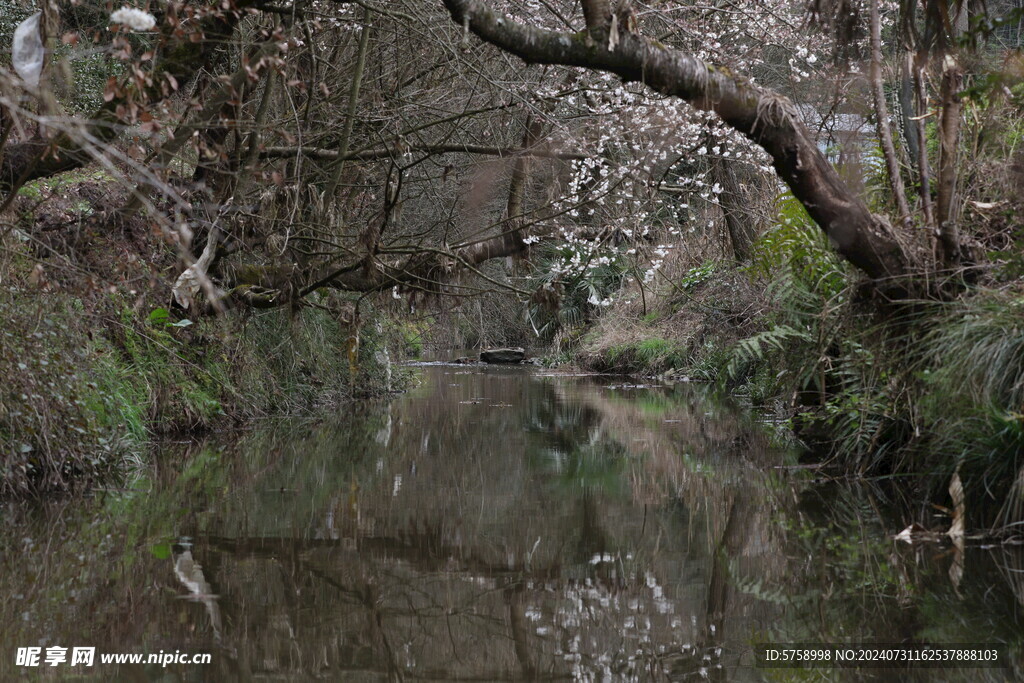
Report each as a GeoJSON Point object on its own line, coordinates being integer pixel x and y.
{"type": "Point", "coordinates": [756, 348]}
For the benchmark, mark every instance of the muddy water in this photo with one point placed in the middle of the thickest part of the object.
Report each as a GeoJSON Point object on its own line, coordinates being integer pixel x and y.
{"type": "Point", "coordinates": [492, 524]}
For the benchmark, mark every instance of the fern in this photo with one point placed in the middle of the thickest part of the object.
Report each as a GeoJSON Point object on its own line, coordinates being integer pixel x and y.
{"type": "Point", "coordinates": [756, 348]}
{"type": "Point", "coordinates": [795, 243]}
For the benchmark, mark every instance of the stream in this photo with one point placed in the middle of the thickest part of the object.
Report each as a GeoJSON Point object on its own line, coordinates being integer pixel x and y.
{"type": "Point", "coordinates": [495, 523]}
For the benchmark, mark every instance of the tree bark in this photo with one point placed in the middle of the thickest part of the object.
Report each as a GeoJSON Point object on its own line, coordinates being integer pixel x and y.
{"type": "Point", "coordinates": [763, 116]}
{"type": "Point", "coordinates": [532, 130]}
{"type": "Point", "coordinates": [924, 170]}
{"type": "Point", "coordinates": [907, 110]}
{"type": "Point", "coordinates": [732, 200]}
{"type": "Point", "coordinates": [949, 140]}
{"type": "Point", "coordinates": [597, 14]}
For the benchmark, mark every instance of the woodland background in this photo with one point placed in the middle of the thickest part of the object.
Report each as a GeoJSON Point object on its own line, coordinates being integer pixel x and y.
{"type": "Point", "coordinates": [216, 211]}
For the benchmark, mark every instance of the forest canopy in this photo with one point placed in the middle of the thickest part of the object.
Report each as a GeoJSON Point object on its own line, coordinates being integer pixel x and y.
{"type": "Point", "coordinates": [363, 147]}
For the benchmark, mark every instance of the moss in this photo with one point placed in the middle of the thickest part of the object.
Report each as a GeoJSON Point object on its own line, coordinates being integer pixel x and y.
{"type": "Point", "coordinates": [412, 334]}
{"type": "Point", "coordinates": [44, 187]}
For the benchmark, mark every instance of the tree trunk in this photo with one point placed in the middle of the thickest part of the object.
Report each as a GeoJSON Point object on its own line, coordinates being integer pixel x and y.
{"type": "Point", "coordinates": [949, 139]}
{"type": "Point", "coordinates": [514, 208]}
{"type": "Point", "coordinates": [924, 171]}
{"type": "Point", "coordinates": [882, 119]}
{"type": "Point", "coordinates": [597, 14]}
{"type": "Point", "coordinates": [733, 202]}
{"type": "Point", "coordinates": [907, 111]}
{"type": "Point", "coordinates": [763, 116]}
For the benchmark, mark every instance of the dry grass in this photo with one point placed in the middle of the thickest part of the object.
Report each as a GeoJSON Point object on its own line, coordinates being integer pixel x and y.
{"type": "Point", "coordinates": [687, 310]}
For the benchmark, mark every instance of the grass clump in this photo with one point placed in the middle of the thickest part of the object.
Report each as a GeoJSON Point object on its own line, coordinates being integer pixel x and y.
{"type": "Point", "coordinates": [649, 356]}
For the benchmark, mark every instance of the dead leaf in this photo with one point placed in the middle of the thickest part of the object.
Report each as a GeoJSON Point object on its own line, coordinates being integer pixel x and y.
{"type": "Point", "coordinates": [956, 492]}
{"type": "Point", "coordinates": [907, 535]}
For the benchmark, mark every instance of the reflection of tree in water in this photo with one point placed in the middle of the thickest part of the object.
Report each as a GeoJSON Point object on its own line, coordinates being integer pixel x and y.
{"type": "Point", "coordinates": [849, 580]}
{"type": "Point", "coordinates": [439, 537]}
{"type": "Point", "coordinates": [495, 558]}
{"type": "Point", "coordinates": [569, 442]}
{"type": "Point", "coordinates": [484, 563]}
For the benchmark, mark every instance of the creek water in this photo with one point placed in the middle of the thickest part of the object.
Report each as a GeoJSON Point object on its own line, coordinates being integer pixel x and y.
{"type": "Point", "coordinates": [494, 523]}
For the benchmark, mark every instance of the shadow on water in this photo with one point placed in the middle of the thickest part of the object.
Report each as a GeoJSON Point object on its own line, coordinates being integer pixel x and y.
{"type": "Point", "coordinates": [494, 524]}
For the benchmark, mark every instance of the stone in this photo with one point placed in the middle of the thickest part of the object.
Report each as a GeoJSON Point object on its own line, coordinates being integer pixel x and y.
{"type": "Point", "coordinates": [515, 355]}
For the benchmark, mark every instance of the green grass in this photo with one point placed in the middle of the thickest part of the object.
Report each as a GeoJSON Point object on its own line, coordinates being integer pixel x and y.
{"type": "Point", "coordinates": [649, 356]}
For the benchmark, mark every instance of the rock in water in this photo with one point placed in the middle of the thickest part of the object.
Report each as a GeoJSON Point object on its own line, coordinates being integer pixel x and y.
{"type": "Point", "coordinates": [503, 355]}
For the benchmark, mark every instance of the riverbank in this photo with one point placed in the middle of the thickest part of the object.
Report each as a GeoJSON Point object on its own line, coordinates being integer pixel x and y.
{"type": "Point", "coordinates": [96, 359]}
{"type": "Point", "coordinates": [917, 392]}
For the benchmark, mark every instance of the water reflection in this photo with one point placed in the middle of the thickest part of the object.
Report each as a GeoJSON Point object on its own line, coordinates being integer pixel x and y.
{"type": "Point", "coordinates": [494, 524]}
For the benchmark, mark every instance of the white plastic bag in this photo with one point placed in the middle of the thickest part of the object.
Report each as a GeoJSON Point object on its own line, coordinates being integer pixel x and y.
{"type": "Point", "coordinates": [27, 51]}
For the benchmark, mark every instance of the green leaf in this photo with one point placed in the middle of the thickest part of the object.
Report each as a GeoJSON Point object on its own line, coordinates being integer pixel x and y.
{"type": "Point", "coordinates": [159, 315]}
{"type": "Point", "coordinates": [184, 322]}
{"type": "Point", "coordinates": [161, 551]}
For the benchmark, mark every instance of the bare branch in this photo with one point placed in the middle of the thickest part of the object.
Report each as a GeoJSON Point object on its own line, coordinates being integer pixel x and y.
{"type": "Point", "coordinates": [378, 153]}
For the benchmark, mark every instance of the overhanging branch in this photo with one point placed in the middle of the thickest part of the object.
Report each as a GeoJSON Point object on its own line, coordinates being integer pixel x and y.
{"type": "Point", "coordinates": [765, 117]}
{"type": "Point", "coordinates": [377, 153]}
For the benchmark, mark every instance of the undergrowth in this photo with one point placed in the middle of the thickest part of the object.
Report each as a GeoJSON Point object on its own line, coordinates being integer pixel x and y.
{"type": "Point", "coordinates": [89, 380]}
{"type": "Point", "coordinates": [918, 391]}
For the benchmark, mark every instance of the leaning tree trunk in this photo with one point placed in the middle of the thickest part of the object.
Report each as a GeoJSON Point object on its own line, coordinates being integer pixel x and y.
{"type": "Point", "coordinates": [765, 117]}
